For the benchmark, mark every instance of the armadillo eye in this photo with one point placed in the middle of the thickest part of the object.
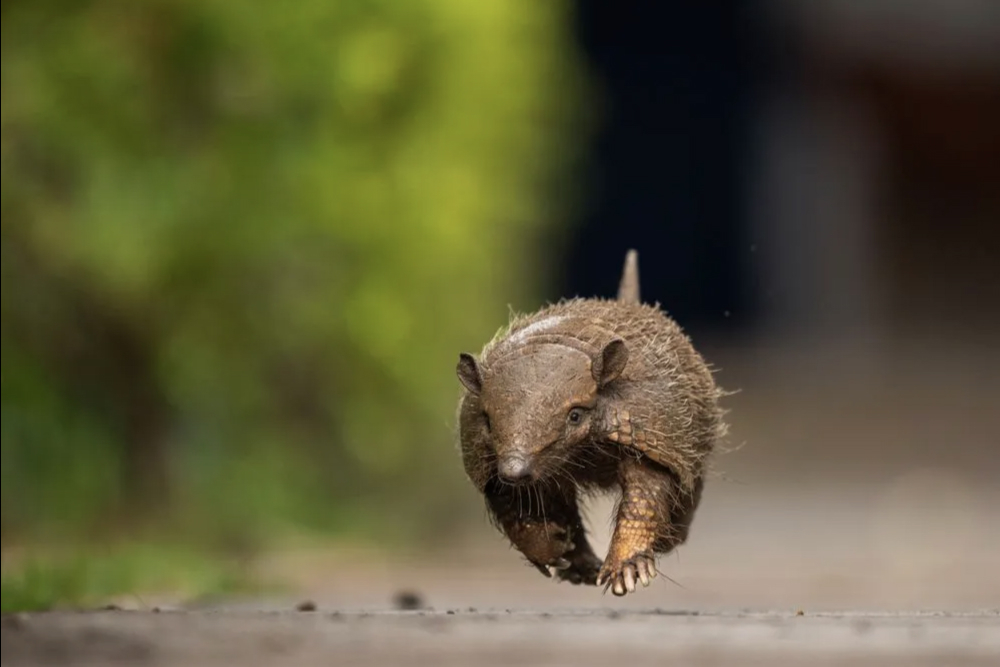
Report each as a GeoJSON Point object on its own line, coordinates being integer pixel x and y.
{"type": "Point", "coordinates": [575, 416]}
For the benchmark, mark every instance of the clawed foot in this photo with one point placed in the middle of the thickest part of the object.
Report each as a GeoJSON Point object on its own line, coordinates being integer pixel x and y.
{"type": "Point", "coordinates": [562, 558]}
{"type": "Point", "coordinates": [620, 575]}
{"type": "Point", "coordinates": [547, 546]}
{"type": "Point", "coordinates": [583, 567]}
{"type": "Point", "coordinates": [576, 569]}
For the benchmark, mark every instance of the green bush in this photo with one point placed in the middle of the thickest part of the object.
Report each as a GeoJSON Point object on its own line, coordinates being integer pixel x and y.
{"type": "Point", "coordinates": [243, 243]}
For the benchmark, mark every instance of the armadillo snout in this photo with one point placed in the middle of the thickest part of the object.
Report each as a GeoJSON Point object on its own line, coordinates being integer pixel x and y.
{"type": "Point", "coordinates": [514, 469]}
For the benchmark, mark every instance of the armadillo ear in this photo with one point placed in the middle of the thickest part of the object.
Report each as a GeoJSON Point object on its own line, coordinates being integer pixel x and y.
{"type": "Point", "coordinates": [610, 362]}
{"type": "Point", "coordinates": [468, 373]}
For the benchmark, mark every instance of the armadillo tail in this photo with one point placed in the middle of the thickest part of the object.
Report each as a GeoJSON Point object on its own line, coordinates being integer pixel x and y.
{"type": "Point", "coordinates": [628, 288]}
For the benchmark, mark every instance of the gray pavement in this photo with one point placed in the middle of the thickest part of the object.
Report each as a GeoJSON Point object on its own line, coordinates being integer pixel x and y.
{"type": "Point", "coordinates": [501, 637]}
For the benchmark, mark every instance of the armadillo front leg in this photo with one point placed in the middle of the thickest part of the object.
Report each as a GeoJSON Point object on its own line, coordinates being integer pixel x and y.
{"type": "Point", "coordinates": [544, 524]}
{"type": "Point", "coordinates": [645, 525]}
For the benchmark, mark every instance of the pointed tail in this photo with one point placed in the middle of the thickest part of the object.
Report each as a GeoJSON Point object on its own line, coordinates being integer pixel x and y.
{"type": "Point", "coordinates": [628, 288]}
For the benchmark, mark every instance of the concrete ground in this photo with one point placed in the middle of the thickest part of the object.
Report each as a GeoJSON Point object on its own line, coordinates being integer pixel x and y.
{"type": "Point", "coordinates": [498, 637]}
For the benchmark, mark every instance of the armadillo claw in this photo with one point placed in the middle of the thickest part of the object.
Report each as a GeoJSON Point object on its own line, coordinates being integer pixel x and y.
{"type": "Point", "coordinates": [628, 575]}
{"type": "Point", "coordinates": [555, 567]}
{"type": "Point", "coordinates": [620, 578]}
{"type": "Point", "coordinates": [544, 569]}
{"type": "Point", "coordinates": [647, 571]}
{"type": "Point", "coordinates": [583, 568]}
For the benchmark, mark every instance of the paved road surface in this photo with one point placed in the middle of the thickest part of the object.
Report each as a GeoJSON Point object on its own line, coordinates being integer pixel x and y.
{"type": "Point", "coordinates": [485, 638]}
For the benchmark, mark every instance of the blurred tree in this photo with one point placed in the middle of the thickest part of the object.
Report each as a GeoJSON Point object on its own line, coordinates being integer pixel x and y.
{"type": "Point", "coordinates": [243, 243]}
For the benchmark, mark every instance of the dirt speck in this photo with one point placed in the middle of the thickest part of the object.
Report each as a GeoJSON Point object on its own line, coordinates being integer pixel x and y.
{"type": "Point", "coordinates": [306, 605]}
{"type": "Point", "coordinates": [408, 600]}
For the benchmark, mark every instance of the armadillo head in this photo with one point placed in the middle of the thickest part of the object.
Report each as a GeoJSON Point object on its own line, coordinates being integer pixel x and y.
{"type": "Point", "coordinates": [537, 402]}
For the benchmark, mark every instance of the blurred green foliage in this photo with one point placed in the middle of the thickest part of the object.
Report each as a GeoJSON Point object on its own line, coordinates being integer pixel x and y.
{"type": "Point", "coordinates": [90, 577]}
{"type": "Point", "coordinates": [243, 244]}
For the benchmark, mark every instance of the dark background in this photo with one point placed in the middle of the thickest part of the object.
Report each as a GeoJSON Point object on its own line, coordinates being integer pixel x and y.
{"type": "Point", "coordinates": [667, 166]}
